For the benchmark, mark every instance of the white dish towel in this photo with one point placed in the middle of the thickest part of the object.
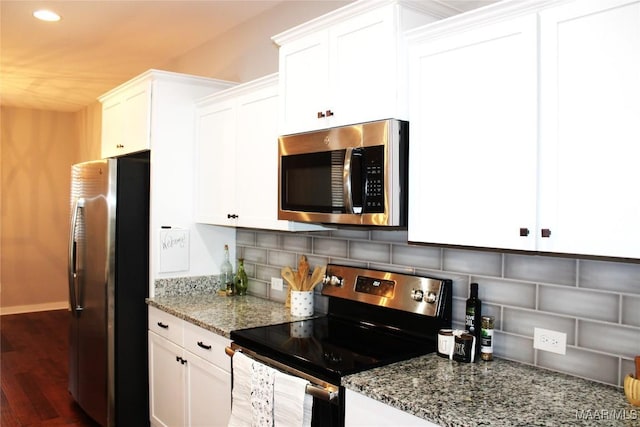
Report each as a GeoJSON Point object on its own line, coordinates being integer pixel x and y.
{"type": "Point", "coordinates": [241, 394]}
{"type": "Point", "coordinates": [292, 405]}
{"type": "Point", "coordinates": [262, 377]}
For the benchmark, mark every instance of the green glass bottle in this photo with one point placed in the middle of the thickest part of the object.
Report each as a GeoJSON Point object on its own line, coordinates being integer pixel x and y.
{"type": "Point", "coordinates": [241, 280]}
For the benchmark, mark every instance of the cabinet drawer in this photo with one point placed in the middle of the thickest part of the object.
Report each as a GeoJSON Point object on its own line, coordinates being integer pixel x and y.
{"type": "Point", "coordinates": [166, 325]}
{"type": "Point", "coordinates": [206, 344]}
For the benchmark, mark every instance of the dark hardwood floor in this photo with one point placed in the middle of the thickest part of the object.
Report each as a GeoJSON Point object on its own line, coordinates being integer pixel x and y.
{"type": "Point", "coordinates": [34, 371]}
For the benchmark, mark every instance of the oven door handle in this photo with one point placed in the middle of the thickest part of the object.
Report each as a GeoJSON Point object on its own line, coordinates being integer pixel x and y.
{"type": "Point", "coordinates": [326, 392]}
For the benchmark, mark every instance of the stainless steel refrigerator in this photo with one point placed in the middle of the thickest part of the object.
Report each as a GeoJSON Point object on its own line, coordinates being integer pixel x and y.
{"type": "Point", "coordinates": [108, 284]}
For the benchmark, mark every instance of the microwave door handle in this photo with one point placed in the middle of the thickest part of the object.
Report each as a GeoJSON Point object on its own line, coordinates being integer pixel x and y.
{"type": "Point", "coordinates": [346, 181]}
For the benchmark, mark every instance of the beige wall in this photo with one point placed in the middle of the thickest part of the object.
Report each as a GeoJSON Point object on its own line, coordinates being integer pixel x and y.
{"type": "Point", "coordinates": [38, 148]}
{"type": "Point", "coordinates": [246, 52]}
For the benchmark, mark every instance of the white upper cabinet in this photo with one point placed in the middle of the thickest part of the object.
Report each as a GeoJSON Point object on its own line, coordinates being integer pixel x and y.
{"type": "Point", "coordinates": [155, 111]}
{"type": "Point", "coordinates": [237, 158]}
{"type": "Point", "coordinates": [473, 135]}
{"type": "Point", "coordinates": [126, 119]}
{"type": "Point", "coordinates": [524, 128]}
{"type": "Point", "coordinates": [347, 66]}
{"type": "Point", "coordinates": [590, 127]}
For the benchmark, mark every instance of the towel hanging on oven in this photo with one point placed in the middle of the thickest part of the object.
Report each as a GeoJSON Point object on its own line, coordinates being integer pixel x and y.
{"type": "Point", "coordinates": [241, 393]}
{"type": "Point", "coordinates": [262, 377]}
{"type": "Point", "coordinates": [292, 405]}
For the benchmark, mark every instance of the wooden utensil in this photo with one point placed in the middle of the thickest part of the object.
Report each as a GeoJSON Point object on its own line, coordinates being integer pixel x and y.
{"type": "Point", "coordinates": [290, 277]}
{"type": "Point", "coordinates": [638, 367]}
{"type": "Point", "coordinates": [317, 276]}
{"type": "Point", "coordinates": [303, 273]}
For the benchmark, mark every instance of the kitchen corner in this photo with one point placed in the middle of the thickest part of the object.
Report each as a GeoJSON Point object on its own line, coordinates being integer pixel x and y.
{"type": "Point", "coordinates": [497, 393]}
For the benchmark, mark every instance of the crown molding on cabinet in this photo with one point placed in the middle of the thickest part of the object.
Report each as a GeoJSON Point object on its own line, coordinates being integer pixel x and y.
{"type": "Point", "coordinates": [495, 12]}
{"type": "Point", "coordinates": [239, 89]}
{"type": "Point", "coordinates": [435, 9]}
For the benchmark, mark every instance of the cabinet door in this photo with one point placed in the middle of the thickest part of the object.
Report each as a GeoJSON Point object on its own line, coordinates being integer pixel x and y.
{"type": "Point", "coordinates": [208, 393]}
{"type": "Point", "coordinates": [257, 160]}
{"type": "Point", "coordinates": [473, 106]}
{"type": "Point", "coordinates": [126, 121]}
{"type": "Point", "coordinates": [590, 94]}
{"type": "Point", "coordinates": [304, 83]}
{"type": "Point", "coordinates": [112, 127]}
{"type": "Point", "coordinates": [137, 117]}
{"type": "Point", "coordinates": [362, 68]}
{"type": "Point", "coordinates": [166, 382]}
{"type": "Point", "coordinates": [215, 164]}
{"type": "Point", "coordinates": [361, 410]}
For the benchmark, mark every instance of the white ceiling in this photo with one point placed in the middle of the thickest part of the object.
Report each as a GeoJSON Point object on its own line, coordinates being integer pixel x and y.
{"type": "Point", "coordinates": [99, 44]}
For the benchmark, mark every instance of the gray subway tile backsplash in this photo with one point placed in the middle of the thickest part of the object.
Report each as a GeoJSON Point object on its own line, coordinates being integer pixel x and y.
{"type": "Point", "coordinates": [596, 303]}
{"type": "Point", "coordinates": [535, 268]}
{"type": "Point", "coordinates": [473, 262]}
{"type": "Point", "coordinates": [522, 322]}
{"type": "Point", "coordinates": [520, 294]}
{"type": "Point", "coordinates": [582, 363]}
{"type": "Point", "coordinates": [610, 276]}
{"type": "Point", "coordinates": [579, 303]}
{"type": "Point", "coordinates": [631, 310]}
{"type": "Point", "coordinates": [606, 337]}
{"type": "Point", "coordinates": [416, 256]}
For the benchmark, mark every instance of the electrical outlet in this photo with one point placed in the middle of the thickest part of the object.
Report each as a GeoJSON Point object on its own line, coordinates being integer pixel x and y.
{"type": "Point", "coordinates": [276, 283]}
{"type": "Point", "coordinates": [547, 340]}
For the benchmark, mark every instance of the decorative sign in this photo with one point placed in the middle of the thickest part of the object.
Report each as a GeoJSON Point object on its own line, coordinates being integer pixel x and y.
{"type": "Point", "coordinates": [174, 249]}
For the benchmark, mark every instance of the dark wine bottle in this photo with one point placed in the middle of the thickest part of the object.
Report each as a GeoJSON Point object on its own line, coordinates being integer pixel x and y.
{"type": "Point", "coordinates": [472, 317]}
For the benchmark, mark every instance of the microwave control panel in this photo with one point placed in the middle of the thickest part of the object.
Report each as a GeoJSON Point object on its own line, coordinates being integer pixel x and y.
{"type": "Point", "coordinates": [373, 200]}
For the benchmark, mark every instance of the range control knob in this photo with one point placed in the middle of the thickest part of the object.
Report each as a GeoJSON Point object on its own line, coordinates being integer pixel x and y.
{"type": "Point", "coordinates": [431, 298]}
{"type": "Point", "coordinates": [333, 280]}
{"type": "Point", "coordinates": [417, 294]}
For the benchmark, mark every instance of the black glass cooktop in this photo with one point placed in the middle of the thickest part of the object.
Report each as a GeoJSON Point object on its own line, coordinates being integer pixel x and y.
{"type": "Point", "coordinates": [329, 347]}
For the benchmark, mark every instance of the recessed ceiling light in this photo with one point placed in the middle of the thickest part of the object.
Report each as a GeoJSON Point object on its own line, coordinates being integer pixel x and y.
{"type": "Point", "coordinates": [46, 15]}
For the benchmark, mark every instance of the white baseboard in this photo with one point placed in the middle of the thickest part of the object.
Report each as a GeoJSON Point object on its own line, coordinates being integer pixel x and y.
{"type": "Point", "coordinates": [32, 308]}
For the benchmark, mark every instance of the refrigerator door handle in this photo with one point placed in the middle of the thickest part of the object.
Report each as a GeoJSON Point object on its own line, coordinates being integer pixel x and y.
{"type": "Point", "coordinates": [73, 274]}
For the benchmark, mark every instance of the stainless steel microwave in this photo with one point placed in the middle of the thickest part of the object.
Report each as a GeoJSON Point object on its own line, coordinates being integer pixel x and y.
{"type": "Point", "coordinates": [356, 175]}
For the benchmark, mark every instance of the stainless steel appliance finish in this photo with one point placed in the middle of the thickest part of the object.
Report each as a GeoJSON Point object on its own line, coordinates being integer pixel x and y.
{"type": "Point", "coordinates": [355, 175]}
{"type": "Point", "coordinates": [415, 294]}
{"type": "Point", "coordinates": [374, 318]}
{"type": "Point", "coordinates": [108, 283]}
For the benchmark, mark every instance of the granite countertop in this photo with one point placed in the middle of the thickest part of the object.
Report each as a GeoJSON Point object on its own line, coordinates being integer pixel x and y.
{"type": "Point", "coordinates": [496, 393]}
{"type": "Point", "coordinates": [444, 392]}
{"type": "Point", "coordinates": [222, 314]}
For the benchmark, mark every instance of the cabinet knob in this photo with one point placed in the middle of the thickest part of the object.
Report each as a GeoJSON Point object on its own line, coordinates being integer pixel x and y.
{"type": "Point", "coordinates": [524, 232]}
{"type": "Point", "coordinates": [232, 216]}
{"type": "Point", "coordinates": [119, 146]}
{"type": "Point", "coordinates": [328, 113]}
{"type": "Point", "coordinates": [545, 232]}
{"type": "Point", "coordinates": [320, 114]}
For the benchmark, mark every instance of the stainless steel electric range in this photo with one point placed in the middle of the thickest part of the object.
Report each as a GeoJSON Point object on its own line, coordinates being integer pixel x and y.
{"type": "Point", "coordinates": [374, 318]}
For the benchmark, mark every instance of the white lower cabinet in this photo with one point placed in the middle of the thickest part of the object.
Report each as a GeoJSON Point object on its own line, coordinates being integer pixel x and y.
{"type": "Point", "coordinates": [190, 380]}
{"type": "Point", "coordinates": [361, 410]}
